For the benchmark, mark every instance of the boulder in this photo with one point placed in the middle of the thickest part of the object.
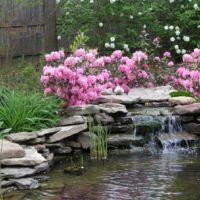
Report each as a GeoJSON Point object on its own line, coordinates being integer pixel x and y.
{"type": "Point", "coordinates": [121, 99]}
{"type": "Point", "coordinates": [21, 137]}
{"type": "Point", "coordinates": [193, 128]}
{"type": "Point", "coordinates": [39, 140]}
{"type": "Point", "coordinates": [187, 118]}
{"type": "Point", "coordinates": [119, 90]}
{"type": "Point", "coordinates": [124, 120]}
{"type": "Point", "coordinates": [72, 120]}
{"type": "Point", "coordinates": [122, 128]}
{"type": "Point", "coordinates": [124, 140]}
{"type": "Point", "coordinates": [66, 132]}
{"type": "Point", "coordinates": [42, 167]}
{"type": "Point", "coordinates": [10, 150]}
{"type": "Point", "coordinates": [73, 144]}
{"type": "Point", "coordinates": [48, 131]}
{"type": "Point", "coordinates": [154, 94]}
{"type": "Point", "coordinates": [187, 109]}
{"type": "Point", "coordinates": [81, 110]}
{"type": "Point", "coordinates": [108, 91]}
{"type": "Point", "coordinates": [113, 108]}
{"type": "Point", "coordinates": [31, 158]}
{"type": "Point", "coordinates": [103, 118]}
{"type": "Point", "coordinates": [26, 183]}
{"type": "Point", "coordinates": [17, 172]}
{"type": "Point", "coordinates": [181, 100]}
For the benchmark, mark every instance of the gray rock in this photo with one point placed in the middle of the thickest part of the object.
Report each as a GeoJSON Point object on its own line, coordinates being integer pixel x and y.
{"type": "Point", "coordinates": [63, 150]}
{"type": "Point", "coordinates": [55, 145]}
{"type": "Point", "coordinates": [82, 110]}
{"type": "Point", "coordinates": [154, 94]}
{"type": "Point", "coordinates": [48, 131]}
{"type": "Point", "coordinates": [124, 120]}
{"type": "Point", "coordinates": [39, 140]}
{"type": "Point", "coordinates": [193, 128]}
{"type": "Point", "coordinates": [124, 140]}
{"type": "Point", "coordinates": [187, 109]}
{"type": "Point", "coordinates": [42, 167]}
{"type": "Point", "coordinates": [31, 158]}
{"type": "Point", "coordinates": [72, 120]}
{"type": "Point", "coordinates": [181, 100]}
{"type": "Point", "coordinates": [177, 138]}
{"type": "Point", "coordinates": [157, 104]}
{"type": "Point", "coordinates": [122, 128]}
{"type": "Point", "coordinates": [113, 108]}
{"type": "Point", "coordinates": [7, 183]}
{"type": "Point", "coordinates": [103, 118]}
{"type": "Point", "coordinates": [84, 139]}
{"type": "Point", "coordinates": [16, 172]}
{"type": "Point", "coordinates": [21, 137]}
{"type": "Point", "coordinates": [187, 118]}
{"type": "Point", "coordinates": [66, 132]}
{"type": "Point", "coordinates": [121, 99]}
{"type": "Point", "coordinates": [107, 92]}
{"type": "Point", "coordinates": [26, 183]}
{"type": "Point", "coordinates": [10, 150]}
{"type": "Point", "coordinates": [73, 144]}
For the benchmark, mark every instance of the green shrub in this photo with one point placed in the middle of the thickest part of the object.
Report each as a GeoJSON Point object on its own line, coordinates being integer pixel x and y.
{"type": "Point", "coordinates": [27, 112]}
{"type": "Point", "coordinates": [181, 93]}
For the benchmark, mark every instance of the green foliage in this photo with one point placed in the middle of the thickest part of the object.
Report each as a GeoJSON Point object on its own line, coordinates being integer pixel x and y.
{"type": "Point", "coordinates": [98, 141]}
{"type": "Point", "coordinates": [3, 131]}
{"type": "Point", "coordinates": [79, 42]}
{"type": "Point", "coordinates": [27, 112]}
{"type": "Point", "coordinates": [181, 93]}
{"type": "Point", "coordinates": [125, 19]}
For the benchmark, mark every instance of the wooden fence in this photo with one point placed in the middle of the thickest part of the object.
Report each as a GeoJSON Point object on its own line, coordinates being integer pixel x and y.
{"type": "Point", "coordinates": [27, 27]}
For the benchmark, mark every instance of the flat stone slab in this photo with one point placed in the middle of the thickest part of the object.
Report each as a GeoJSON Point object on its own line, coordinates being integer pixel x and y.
{"type": "Point", "coordinates": [122, 99]}
{"type": "Point", "coordinates": [113, 108]}
{"type": "Point", "coordinates": [82, 110]}
{"type": "Point", "coordinates": [154, 94]}
{"type": "Point", "coordinates": [73, 120]}
{"type": "Point", "coordinates": [16, 172]}
{"type": "Point", "coordinates": [26, 183]}
{"type": "Point", "coordinates": [193, 128]}
{"type": "Point", "coordinates": [21, 136]}
{"type": "Point", "coordinates": [10, 150]}
{"type": "Point", "coordinates": [31, 158]}
{"type": "Point", "coordinates": [187, 109]}
{"type": "Point", "coordinates": [66, 132]}
{"type": "Point", "coordinates": [177, 137]}
{"type": "Point", "coordinates": [122, 140]}
{"type": "Point", "coordinates": [48, 131]}
{"type": "Point", "coordinates": [181, 100]}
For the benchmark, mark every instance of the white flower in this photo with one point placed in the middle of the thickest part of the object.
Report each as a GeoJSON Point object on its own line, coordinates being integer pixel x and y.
{"type": "Point", "coordinates": [176, 46]}
{"type": "Point", "coordinates": [125, 46]}
{"type": "Point", "coordinates": [186, 38]}
{"type": "Point", "coordinates": [195, 6]}
{"type": "Point", "coordinates": [177, 32]}
{"type": "Point", "coordinates": [131, 16]}
{"type": "Point", "coordinates": [107, 45]}
{"type": "Point", "coordinates": [177, 28]}
{"type": "Point", "coordinates": [101, 24]}
{"type": "Point", "coordinates": [166, 27]}
{"type": "Point", "coordinates": [67, 13]}
{"type": "Point", "coordinates": [172, 39]}
{"type": "Point", "coordinates": [91, 1]}
{"type": "Point", "coordinates": [144, 26]}
{"type": "Point", "coordinates": [171, 27]}
{"type": "Point", "coordinates": [112, 1]}
{"type": "Point", "coordinates": [198, 26]}
{"type": "Point", "coordinates": [59, 37]}
{"type": "Point", "coordinates": [112, 39]}
{"type": "Point", "coordinates": [57, 1]}
{"type": "Point", "coordinates": [171, 1]}
{"type": "Point", "coordinates": [178, 51]}
{"type": "Point", "coordinates": [112, 45]}
{"type": "Point", "coordinates": [183, 51]}
{"type": "Point", "coordinates": [139, 13]}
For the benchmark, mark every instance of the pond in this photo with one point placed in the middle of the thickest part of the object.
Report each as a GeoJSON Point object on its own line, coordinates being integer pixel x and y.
{"type": "Point", "coordinates": [124, 176]}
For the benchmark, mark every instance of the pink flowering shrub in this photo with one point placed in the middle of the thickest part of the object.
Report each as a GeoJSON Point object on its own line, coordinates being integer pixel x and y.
{"type": "Point", "coordinates": [80, 78]}
{"type": "Point", "coordinates": [188, 74]}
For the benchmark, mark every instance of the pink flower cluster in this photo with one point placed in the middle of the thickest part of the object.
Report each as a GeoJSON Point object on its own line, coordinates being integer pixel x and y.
{"type": "Point", "coordinates": [188, 75]}
{"type": "Point", "coordinates": [81, 77]}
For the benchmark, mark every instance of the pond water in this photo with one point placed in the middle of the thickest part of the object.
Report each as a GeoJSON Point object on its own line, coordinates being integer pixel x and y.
{"type": "Point", "coordinates": [124, 176]}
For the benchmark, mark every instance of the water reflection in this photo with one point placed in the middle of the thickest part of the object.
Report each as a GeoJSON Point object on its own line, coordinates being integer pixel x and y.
{"type": "Point", "coordinates": [124, 177]}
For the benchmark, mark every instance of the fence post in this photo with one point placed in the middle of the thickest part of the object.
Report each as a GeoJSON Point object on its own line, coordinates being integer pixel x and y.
{"type": "Point", "coordinates": [50, 25]}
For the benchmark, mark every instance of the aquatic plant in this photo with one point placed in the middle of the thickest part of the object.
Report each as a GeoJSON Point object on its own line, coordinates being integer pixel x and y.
{"type": "Point", "coordinates": [98, 141]}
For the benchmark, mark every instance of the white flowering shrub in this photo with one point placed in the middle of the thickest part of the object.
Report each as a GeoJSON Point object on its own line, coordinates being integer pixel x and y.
{"type": "Point", "coordinates": [117, 24]}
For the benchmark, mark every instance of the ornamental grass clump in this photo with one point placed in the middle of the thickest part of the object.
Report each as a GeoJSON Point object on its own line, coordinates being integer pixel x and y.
{"type": "Point", "coordinates": [98, 141]}
{"type": "Point", "coordinates": [20, 112]}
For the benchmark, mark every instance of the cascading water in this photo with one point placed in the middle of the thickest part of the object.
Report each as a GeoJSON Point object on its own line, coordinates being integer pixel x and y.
{"type": "Point", "coordinates": [163, 128]}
